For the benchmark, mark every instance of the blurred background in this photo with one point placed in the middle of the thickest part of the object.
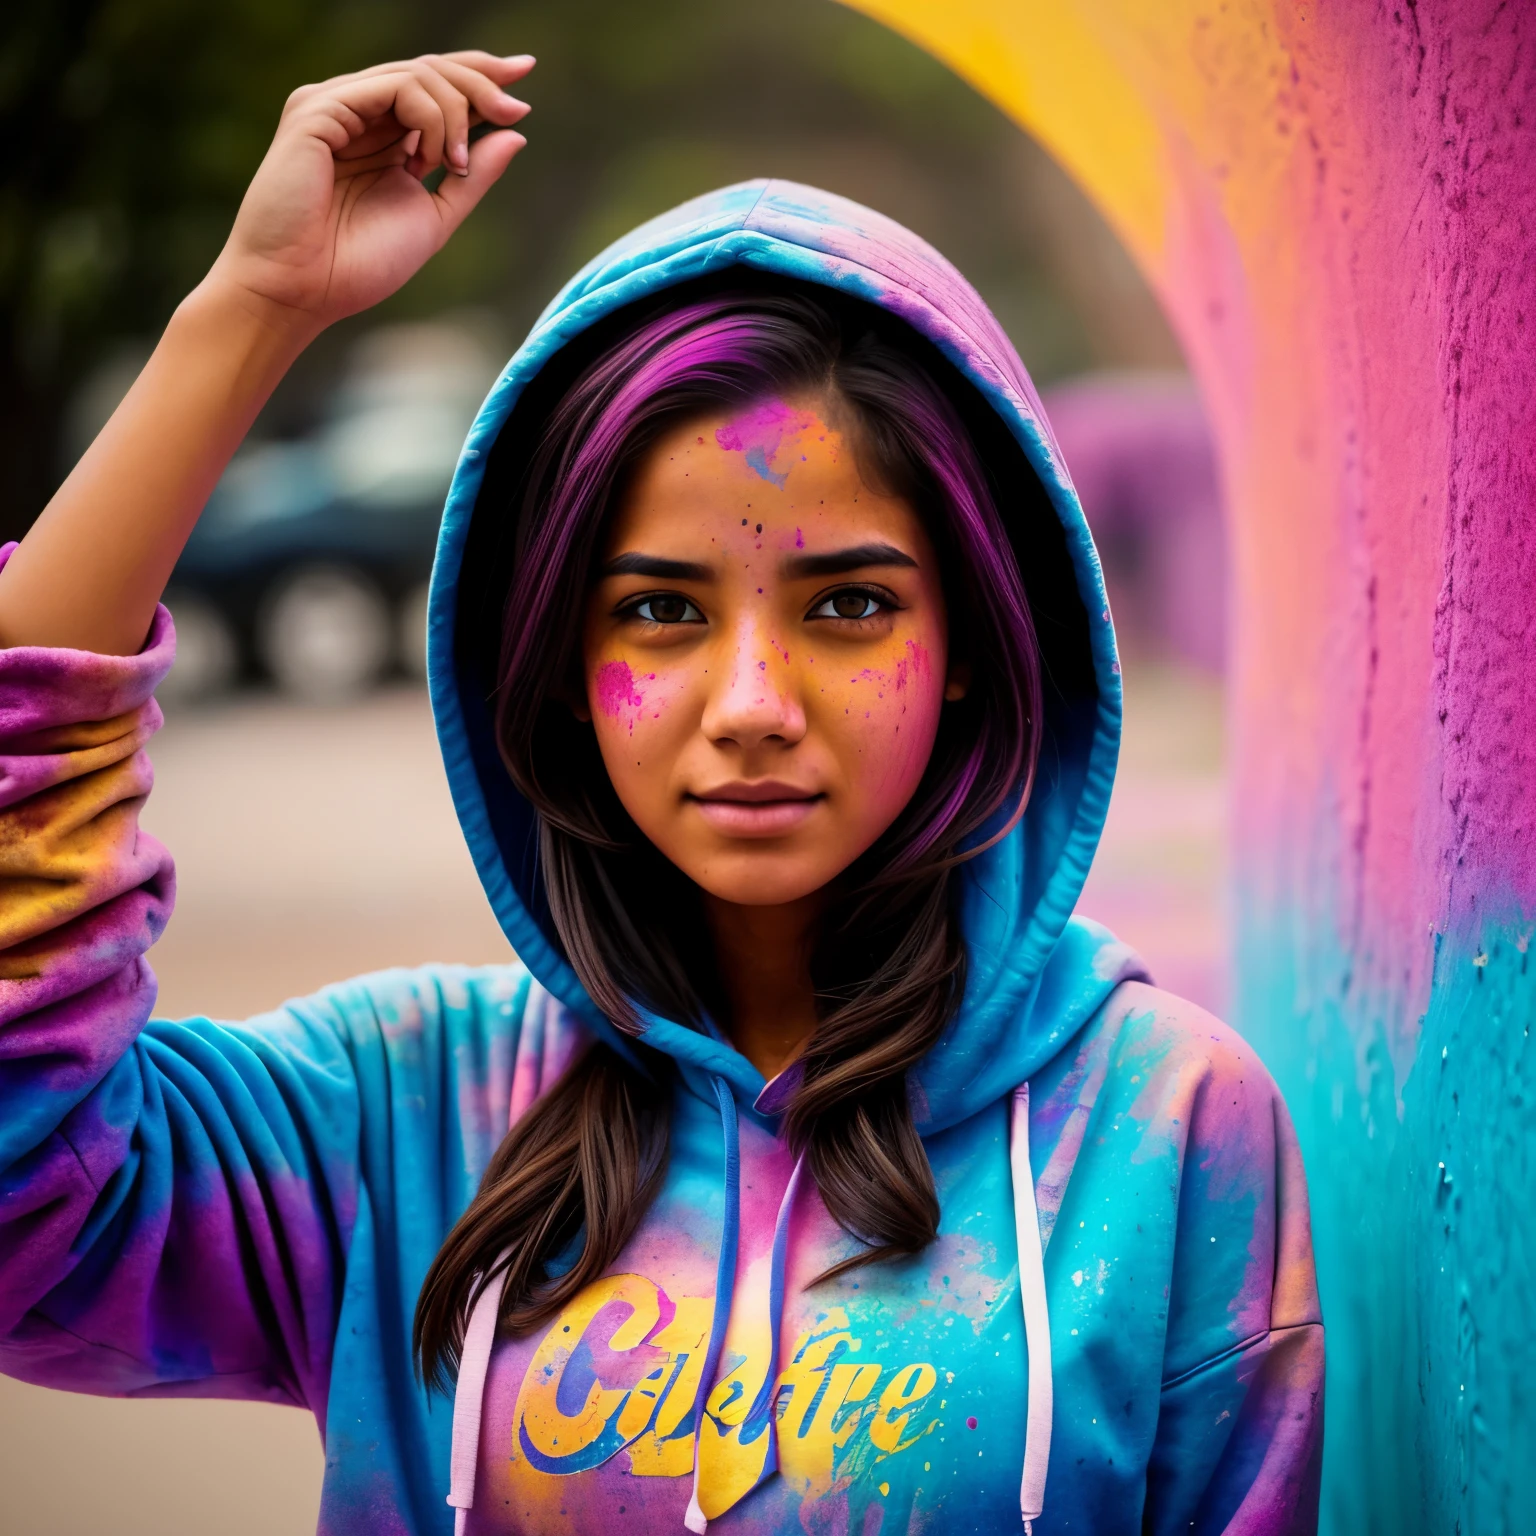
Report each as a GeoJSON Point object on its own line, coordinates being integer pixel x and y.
{"type": "Point", "coordinates": [297, 778]}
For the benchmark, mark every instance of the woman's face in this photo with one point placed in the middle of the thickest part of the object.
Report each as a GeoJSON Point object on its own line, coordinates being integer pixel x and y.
{"type": "Point", "coordinates": [765, 652]}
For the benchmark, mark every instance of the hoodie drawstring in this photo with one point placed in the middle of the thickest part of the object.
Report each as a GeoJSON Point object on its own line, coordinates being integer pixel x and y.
{"type": "Point", "coordinates": [469, 1395]}
{"type": "Point", "coordinates": [480, 1333]}
{"type": "Point", "coordinates": [760, 1416]}
{"type": "Point", "coordinates": [725, 1285]}
{"type": "Point", "coordinates": [1037, 1321]}
{"type": "Point", "coordinates": [480, 1336]}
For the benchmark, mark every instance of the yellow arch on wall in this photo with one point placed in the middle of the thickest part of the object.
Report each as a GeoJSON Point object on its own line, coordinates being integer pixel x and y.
{"type": "Point", "coordinates": [1047, 67]}
{"type": "Point", "coordinates": [1130, 96]}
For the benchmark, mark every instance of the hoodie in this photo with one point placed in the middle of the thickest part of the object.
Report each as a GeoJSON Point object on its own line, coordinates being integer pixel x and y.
{"type": "Point", "coordinates": [1116, 1330]}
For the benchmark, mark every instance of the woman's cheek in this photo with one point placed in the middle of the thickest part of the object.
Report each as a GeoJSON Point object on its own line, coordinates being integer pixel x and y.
{"type": "Point", "coordinates": [886, 717]}
{"type": "Point", "coordinates": [632, 702]}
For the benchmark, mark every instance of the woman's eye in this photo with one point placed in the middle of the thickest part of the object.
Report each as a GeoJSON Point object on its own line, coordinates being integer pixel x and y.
{"type": "Point", "coordinates": [667, 608]}
{"type": "Point", "coordinates": [849, 604]}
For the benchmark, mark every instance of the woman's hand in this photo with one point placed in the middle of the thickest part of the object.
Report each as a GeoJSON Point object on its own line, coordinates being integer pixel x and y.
{"type": "Point", "coordinates": [337, 216]}
{"type": "Point", "coordinates": [336, 219]}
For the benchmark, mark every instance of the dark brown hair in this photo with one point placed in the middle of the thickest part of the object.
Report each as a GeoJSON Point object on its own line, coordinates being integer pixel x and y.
{"type": "Point", "coordinates": [580, 1168]}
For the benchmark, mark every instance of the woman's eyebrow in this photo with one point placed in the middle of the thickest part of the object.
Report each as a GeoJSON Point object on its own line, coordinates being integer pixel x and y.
{"type": "Point", "coordinates": [637, 564]}
{"type": "Point", "coordinates": [838, 562]}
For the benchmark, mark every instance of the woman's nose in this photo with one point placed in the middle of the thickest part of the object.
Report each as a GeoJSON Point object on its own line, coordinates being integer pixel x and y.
{"type": "Point", "coordinates": [754, 700]}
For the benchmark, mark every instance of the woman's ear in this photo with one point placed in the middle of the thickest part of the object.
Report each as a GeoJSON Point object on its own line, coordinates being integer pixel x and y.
{"type": "Point", "coordinates": [958, 682]}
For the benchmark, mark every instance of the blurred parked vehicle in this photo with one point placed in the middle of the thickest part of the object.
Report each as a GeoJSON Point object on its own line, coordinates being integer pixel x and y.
{"type": "Point", "coordinates": [310, 564]}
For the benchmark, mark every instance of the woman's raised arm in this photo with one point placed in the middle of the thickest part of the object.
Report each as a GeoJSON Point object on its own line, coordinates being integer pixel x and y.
{"type": "Point", "coordinates": [336, 219]}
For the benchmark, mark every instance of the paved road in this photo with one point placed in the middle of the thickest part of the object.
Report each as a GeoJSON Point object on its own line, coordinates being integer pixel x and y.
{"type": "Point", "coordinates": [314, 845]}
{"type": "Point", "coordinates": [1159, 877]}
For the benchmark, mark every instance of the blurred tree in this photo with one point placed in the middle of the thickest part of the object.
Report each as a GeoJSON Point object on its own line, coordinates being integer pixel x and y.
{"type": "Point", "coordinates": [132, 127]}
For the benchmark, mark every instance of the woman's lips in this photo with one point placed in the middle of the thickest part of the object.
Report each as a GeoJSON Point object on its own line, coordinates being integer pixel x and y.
{"type": "Point", "coordinates": [764, 808]}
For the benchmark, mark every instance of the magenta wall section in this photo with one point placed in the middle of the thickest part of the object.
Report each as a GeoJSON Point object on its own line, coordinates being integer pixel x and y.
{"type": "Point", "coordinates": [1337, 204]}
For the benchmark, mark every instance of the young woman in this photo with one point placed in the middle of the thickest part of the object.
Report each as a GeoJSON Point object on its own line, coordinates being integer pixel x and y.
{"type": "Point", "coordinates": [813, 1168]}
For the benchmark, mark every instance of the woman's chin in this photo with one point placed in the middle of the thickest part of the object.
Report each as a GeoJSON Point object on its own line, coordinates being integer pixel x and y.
{"type": "Point", "coordinates": [763, 876]}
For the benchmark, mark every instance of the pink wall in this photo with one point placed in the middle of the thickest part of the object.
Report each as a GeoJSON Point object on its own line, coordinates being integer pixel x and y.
{"type": "Point", "coordinates": [1336, 200]}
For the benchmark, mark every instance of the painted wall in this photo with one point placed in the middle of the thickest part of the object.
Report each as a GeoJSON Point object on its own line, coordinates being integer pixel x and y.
{"type": "Point", "coordinates": [1337, 204]}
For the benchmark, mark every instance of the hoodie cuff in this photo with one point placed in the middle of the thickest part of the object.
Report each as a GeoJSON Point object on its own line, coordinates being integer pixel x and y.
{"type": "Point", "coordinates": [45, 688]}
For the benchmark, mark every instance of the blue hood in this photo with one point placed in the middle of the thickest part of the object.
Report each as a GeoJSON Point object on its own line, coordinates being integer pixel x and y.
{"type": "Point", "coordinates": [1036, 974]}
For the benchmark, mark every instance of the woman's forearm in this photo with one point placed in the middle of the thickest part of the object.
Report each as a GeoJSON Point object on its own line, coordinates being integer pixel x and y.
{"type": "Point", "coordinates": [337, 217]}
{"type": "Point", "coordinates": [91, 570]}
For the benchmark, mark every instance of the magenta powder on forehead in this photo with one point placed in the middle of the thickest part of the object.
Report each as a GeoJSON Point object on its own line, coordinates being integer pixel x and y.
{"type": "Point", "coordinates": [758, 434]}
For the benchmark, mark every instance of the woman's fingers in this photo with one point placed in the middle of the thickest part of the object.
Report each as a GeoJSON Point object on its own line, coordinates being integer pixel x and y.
{"type": "Point", "coordinates": [500, 71]}
{"type": "Point", "coordinates": [466, 96]}
{"type": "Point", "coordinates": [488, 101]}
{"type": "Point", "coordinates": [356, 105]}
{"type": "Point", "coordinates": [402, 95]}
{"type": "Point", "coordinates": [380, 149]}
{"type": "Point", "coordinates": [454, 108]}
{"type": "Point", "coordinates": [387, 159]}
{"type": "Point", "coordinates": [380, 134]}
{"type": "Point", "coordinates": [438, 96]}
{"type": "Point", "coordinates": [489, 156]}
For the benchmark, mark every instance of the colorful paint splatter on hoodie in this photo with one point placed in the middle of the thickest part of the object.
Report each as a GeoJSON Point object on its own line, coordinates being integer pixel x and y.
{"type": "Point", "coordinates": [248, 1210]}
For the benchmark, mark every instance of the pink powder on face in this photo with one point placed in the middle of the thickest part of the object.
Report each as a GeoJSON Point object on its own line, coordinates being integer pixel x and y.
{"type": "Point", "coordinates": [616, 687]}
{"type": "Point", "coordinates": [913, 664]}
{"type": "Point", "coordinates": [618, 690]}
{"type": "Point", "coordinates": [758, 434]}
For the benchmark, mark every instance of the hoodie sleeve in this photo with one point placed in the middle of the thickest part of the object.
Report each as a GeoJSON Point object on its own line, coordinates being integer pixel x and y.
{"type": "Point", "coordinates": [183, 1205]}
{"type": "Point", "coordinates": [1238, 1448]}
